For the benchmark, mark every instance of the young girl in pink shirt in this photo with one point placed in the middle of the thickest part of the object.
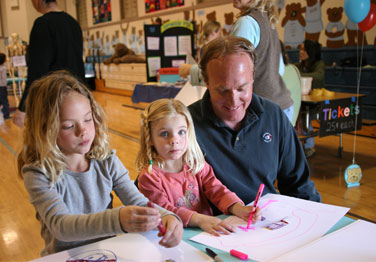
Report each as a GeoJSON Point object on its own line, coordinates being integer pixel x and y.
{"type": "Point", "coordinates": [175, 175]}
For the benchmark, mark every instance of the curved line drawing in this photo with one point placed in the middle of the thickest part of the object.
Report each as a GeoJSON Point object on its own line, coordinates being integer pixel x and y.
{"type": "Point", "coordinates": [96, 255]}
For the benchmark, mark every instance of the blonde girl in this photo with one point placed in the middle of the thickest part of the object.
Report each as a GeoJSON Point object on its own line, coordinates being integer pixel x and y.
{"type": "Point", "coordinates": [174, 174]}
{"type": "Point", "coordinates": [70, 172]}
{"type": "Point", "coordinates": [210, 31]}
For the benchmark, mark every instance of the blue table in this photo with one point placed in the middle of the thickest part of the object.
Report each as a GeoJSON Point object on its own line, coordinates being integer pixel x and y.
{"type": "Point", "coordinates": [149, 93]}
{"type": "Point", "coordinates": [191, 232]}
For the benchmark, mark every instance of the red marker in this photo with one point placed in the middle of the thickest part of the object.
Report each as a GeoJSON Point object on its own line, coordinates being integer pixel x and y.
{"type": "Point", "coordinates": [238, 254]}
{"type": "Point", "coordinates": [161, 228]}
{"type": "Point", "coordinates": [259, 193]}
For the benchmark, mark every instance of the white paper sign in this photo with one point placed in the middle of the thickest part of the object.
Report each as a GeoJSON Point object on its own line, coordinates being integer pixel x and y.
{"type": "Point", "coordinates": [154, 64]}
{"type": "Point", "coordinates": [152, 43]}
{"type": "Point", "coordinates": [19, 60]}
{"type": "Point", "coordinates": [170, 46]}
{"type": "Point", "coordinates": [185, 45]}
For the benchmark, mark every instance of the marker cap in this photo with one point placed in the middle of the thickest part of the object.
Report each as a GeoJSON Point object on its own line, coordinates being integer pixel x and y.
{"type": "Point", "coordinates": [238, 254]}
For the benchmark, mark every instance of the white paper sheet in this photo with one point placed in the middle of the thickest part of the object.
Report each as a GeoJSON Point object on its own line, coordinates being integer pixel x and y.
{"type": "Point", "coordinates": [154, 64]}
{"type": "Point", "coordinates": [170, 46]}
{"type": "Point", "coordinates": [130, 247]}
{"type": "Point", "coordinates": [307, 221]}
{"type": "Point", "coordinates": [190, 94]}
{"type": "Point", "coordinates": [355, 242]}
{"type": "Point", "coordinates": [184, 44]}
{"type": "Point", "coordinates": [152, 43]}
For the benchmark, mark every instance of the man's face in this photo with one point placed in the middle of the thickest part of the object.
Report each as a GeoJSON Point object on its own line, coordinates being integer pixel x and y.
{"type": "Point", "coordinates": [230, 84]}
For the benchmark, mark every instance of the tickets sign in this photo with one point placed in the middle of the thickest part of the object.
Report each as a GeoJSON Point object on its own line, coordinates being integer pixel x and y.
{"type": "Point", "coordinates": [340, 116]}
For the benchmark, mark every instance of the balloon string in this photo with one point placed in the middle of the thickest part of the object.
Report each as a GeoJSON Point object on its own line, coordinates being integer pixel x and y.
{"type": "Point", "coordinates": [357, 97]}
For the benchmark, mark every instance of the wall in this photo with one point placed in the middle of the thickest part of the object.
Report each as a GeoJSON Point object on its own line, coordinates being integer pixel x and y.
{"type": "Point", "coordinates": [21, 21]}
{"type": "Point", "coordinates": [107, 30]}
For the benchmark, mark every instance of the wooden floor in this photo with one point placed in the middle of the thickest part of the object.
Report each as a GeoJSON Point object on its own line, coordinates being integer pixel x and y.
{"type": "Point", "coordinates": [20, 231]}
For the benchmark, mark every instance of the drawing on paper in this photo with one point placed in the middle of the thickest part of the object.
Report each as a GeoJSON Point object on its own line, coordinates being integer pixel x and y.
{"type": "Point", "coordinates": [97, 255]}
{"type": "Point", "coordinates": [298, 221]}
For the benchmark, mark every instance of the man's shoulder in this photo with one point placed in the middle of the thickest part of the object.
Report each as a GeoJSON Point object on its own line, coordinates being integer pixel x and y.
{"type": "Point", "coordinates": [195, 109]}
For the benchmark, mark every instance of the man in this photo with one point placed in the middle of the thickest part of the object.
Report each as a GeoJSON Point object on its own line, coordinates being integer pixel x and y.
{"type": "Point", "coordinates": [55, 43]}
{"type": "Point", "coordinates": [247, 139]}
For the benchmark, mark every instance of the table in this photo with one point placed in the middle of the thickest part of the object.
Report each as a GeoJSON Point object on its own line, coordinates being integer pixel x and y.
{"type": "Point", "coordinates": [150, 92]}
{"type": "Point", "coordinates": [336, 114]}
{"type": "Point", "coordinates": [133, 241]}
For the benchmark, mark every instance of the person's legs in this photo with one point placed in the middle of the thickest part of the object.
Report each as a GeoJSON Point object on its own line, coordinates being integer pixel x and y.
{"type": "Point", "coordinates": [289, 112]}
{"type": "Point", "coordinates": [4, 101]}
{"type": "Point", "coordinates": [309, 144]}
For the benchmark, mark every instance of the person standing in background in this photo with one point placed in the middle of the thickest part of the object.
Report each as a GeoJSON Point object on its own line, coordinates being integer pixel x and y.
{"type": "Point", "coordinates": [3, 87]}
{"type": "Point", "coordinates": [311, 65]}
{"type": "Point", "coordinates": [211, 30]}
{"type": "Point", "coordinates": [258, 16]}
{"type": "Point", "coordinates": [55, 43]}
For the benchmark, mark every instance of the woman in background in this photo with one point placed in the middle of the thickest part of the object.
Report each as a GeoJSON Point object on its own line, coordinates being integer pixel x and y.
{"type": "Point", "coordinates": [258, 16]}
{"type": "Point", "coordinates": [311, 65]}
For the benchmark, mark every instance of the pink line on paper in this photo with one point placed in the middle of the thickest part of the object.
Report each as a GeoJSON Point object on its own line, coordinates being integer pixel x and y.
{"type": "Point", "coordinates": [245, 229]}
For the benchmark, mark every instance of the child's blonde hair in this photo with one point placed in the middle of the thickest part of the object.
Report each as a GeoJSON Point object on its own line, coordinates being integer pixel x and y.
{"type": "Point", "coordinates": [208, 28]}
{"type": "Point", "coordinates": [42, 124]}
{"type": "Point", "coordinates": [265, 6]}
{"type": "Point", "coordinates": [158, 110]}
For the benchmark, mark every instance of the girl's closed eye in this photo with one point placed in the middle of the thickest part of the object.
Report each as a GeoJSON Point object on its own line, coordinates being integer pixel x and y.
{"type": "Point", "coordinates": [67, 126]}
{"type": "Point", "coordinates": [89, 119]}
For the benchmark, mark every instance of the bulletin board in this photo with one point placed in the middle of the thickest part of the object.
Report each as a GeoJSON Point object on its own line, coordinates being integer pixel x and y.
{"type": "Point", "coordinates": [167, 45]}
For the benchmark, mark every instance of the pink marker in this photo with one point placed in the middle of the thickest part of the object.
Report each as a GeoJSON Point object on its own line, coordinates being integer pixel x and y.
{"type": "Point", "coordinates": [161, 228]}
{"type": "Point", "coordinates": [259, 193]}
{"type": "Point", "coordinates": [238, 254]}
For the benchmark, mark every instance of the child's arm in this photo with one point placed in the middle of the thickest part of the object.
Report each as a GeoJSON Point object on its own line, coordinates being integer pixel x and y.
{"type": "Point", "coordinates": [65, 223]}
{"type": "Point", "coordinates": [215, 191]}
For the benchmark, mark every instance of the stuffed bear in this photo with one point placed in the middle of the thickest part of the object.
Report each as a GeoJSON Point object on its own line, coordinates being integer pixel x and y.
{"type": "Point", "coordinates": [123, 55]}
{"type": "Point", "coordinates": [229, 20]}
{"type": "Point", "coordinates": [313, 20]}
{"type": "Point", "coordinates": [211, 16]}
{"type": "Point", "coordinates": [294, 24]}
{"type": "Point", "coordinates": [335, 28]}
{"type": "Point", "coordinates": [354, 35]}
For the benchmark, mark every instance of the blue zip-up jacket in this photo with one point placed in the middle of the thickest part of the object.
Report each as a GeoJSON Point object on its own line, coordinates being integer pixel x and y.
{"type": "Point", "coordinates": [266, 149]}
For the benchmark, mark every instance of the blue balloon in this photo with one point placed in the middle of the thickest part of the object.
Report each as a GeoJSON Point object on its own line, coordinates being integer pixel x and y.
{"type": "Point", "coordinates": [357, 10]}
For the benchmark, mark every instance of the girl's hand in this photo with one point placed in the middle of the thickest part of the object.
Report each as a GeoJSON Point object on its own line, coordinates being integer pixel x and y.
{"type": "Point", "coordinates": [244, 212]}
{"type": "Point", "coordinates": [174, 231]}
{"type": "Point", "coordinates": [211, 224]}
{"type": "Point", "coordinates": [139, 219]}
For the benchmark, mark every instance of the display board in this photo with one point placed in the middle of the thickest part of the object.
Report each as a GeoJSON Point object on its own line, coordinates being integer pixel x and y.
{"type": "Point", "coordinates": [167, 45]}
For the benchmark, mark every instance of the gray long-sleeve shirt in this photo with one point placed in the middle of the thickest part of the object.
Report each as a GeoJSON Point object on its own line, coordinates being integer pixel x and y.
{"type": "Point", "coordinates": [77, 210]}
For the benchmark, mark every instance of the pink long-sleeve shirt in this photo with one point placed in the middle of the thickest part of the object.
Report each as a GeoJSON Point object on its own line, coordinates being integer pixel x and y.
{"type": "Point", "coordinates": [184, 193]}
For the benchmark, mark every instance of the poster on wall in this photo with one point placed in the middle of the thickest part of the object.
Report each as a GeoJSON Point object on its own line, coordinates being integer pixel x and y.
{"type": "Point", "coordinates": [101, 11]}
{"type": "Point", "coordinates": [155, 5]}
